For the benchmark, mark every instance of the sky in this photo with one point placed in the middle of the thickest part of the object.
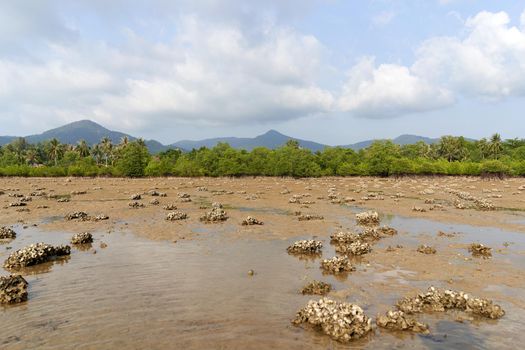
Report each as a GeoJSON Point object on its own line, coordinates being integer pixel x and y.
{"type": "Point", "coordinates": [332, 71]}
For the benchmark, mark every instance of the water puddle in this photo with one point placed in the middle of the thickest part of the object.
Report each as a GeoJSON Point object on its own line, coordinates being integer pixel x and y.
{"type": "Point", "coordinates": [137, 293]}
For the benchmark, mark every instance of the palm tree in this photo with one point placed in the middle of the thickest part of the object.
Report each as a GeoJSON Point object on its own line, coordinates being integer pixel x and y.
{"type": "Point", "coordinates": [97, 153]}
{"type": "Point", "coordinates": [141, 142]}
{"type": "Point", "coordinates": [452, 148]}
{"type": "Point", "coordinates": [495, 146]}
{"type": "Point", "coordinates": [483, 147]}
{"type": "Point", "coordinates": [107, 148]}
{"type": "Point", "coordinates": [124, 141]}
{"type": "Point", "coordinates": [31, 156]}
{"type": "Point", "coordinates": [82, 148]}
{"type": "Point", "coordinates": [55, 150]}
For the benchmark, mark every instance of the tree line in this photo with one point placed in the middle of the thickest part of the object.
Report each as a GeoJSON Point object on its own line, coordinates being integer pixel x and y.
{"type": "Point", "coordinates": [449, 156]}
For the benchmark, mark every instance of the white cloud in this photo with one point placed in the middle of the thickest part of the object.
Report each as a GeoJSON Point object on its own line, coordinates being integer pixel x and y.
{"type": "Point", "coordinates": [389, 90]}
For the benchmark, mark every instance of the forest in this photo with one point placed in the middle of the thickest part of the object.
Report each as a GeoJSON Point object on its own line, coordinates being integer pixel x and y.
{"type": "Point", "coordinates": [450, 156]}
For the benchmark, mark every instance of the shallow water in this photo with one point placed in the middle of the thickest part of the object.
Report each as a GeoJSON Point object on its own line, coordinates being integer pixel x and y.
{"type": "Point", "coordinates": [138, 293]}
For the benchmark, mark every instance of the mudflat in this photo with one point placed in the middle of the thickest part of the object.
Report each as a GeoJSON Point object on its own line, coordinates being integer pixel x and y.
{"type": "Point", "coordinates": [200, 280]}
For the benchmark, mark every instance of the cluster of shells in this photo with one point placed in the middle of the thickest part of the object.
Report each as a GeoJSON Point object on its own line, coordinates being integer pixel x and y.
{"type": "Point", "coordinates": [337, 264]}
{"type": "Point", "coordinates": [250, 220]}
{"type": "Point", "coordinates": [7, 233]}
{"type": "Point", "coordinates": [35, 254]}
{"type": "Point", "coordinates": [339, 320]}
{"type": "Point", "coordinates": [80, 215]}
{"type": "Point", "coordinates": [309, 217]}
{"type": "Point", "coordinates": [307, 246]}
{"type": "Point", "coordinates": [216, 214]}
{"type": "Point", "coordinates": [480, 203]}
{"type": "Point", "coordinates": [317, 287]}
{"type": "Point", "coordinates": [354, 248]}
{"type": "Point", "coordinates": [82, 238]}
{"type": "Point", "coordinates": [13, 289]}
{"type": "Point", "coordinates": [136, 205]}
{"type": "Point", "coordinates": [480, 250]}
{"type": "Point", "coordinates": [367, 218]}
{"type": "Point", "coordinates": [170, 207]}
{"type": "Point", "coordinates": [425, 249]}
{"type": "Point", "coordinates": [440, 300]}
{"type": "Point", "coordinates": [400, 321]}
{"type": "Point", "coordinates": [176, 215]}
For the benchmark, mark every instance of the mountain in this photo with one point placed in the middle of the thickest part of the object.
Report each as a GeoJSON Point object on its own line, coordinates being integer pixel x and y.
{"type": "Point", "coordinates": [92, 132]}
{"type": "Point", "coordinates": [400, 140]}
{"type": "Point", "coordinates": [83, 130]}
{"type": "Point", "coordinates": [271, 139]}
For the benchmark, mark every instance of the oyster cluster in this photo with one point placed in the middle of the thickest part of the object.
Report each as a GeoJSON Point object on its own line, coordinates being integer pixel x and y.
{"type": "Point", "coordinates": [337, 264]}
{"type": "Point", "coordinates": [308, 217]}
{"type": "Point", "coordinates": [344, 237]}
{"type": "Point", "coordinates": [136, 205]}
{"type": "Point", "coordinates": [7, 233]}
{"type": "Point", "coordinates": [317, 287]}
{"type": "Point", "coordinates": [80, 215]}
{"type": "Point", "coordinates": [13, 289]}
{"type": "Point", "coordinates": [341, 321]}
{"type": "Point", "coordinates": [82, 238]}
{"type": "Point", "coordinates": [170, 207]}
{"type": "Point", "coordinates": [306, 246]}
{"type": "Point", "coordinates": [154, 201]}
{"type": "Point", "coordinates": [35, 254]}
{"type": "Point", "coordinates": [216, 214]}
{"type": "Point", "coordinates": [250, 220]}
{"type": "Point", "coordinates": [176, 215]}
{"type": "Point", "coordinates": [441, 300]}
{"type": "Point", "coordinates": [480, 250]}
{"type": "Point", "coordinates": [367, 218]}
{"type": "Point", "coordinates": [425, 249]}
{"type": "Point", "coordinates": [354, 248]}
{"type": "Point", "coordinates": [399, 321]}
{"type": "Point", "coordinates": [136, 197]}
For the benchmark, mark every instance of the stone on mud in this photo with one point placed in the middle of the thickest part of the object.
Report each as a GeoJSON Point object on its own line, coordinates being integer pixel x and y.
{"type": "Point", "coordinates": [13, 289]}
{"type": "Point", "coordinates": [344, 237]}
{"type": "Point", "coordinates": [250, 220]}
{"type": "Point", "coordinates": [136, 197]}
{"type": "Point", "coordinates": [480, 250]}
{"type": "Point", "coordinates": [216, 214]}
{"type": "Point", "coordinates": [317, 287]}
{"type": "Point", "coordinates": [399, 321]}
{"type": "Point", "coordinates": [425, 249]}
{"type": "Point", "coordinates": [82, 238]}
{"type": "Point", "coordinates": [441, 300]}
{"type": "Point", "coordinates": [136, 205]}
{"type": "Point", "coordinates": [341, 321]}
{"type": "Point", "coordinates": [337, 264]}
{"type": "Point", "coordinates": [307, 246]}
{"type": "Point", "coordinates": [308, 217]}
{"type": "Point", "coordinates": [367, 218]}
{"type": "Point", "coordinates": [7, 233]}
{"type": "Point", "coordinates": [81, 215]}
{"type": "Point", "coordinates": [170, 207]}
{"type": "Point", "coordinates": [176, 215]}
{"type": "Point", "coordinates": [35, 254]}
{"type": "Point", "coordinates": [354, 248]}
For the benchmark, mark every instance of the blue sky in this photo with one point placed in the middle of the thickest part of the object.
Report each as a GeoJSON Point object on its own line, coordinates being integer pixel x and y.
{"type": "Point", "coordinates": [332, 71]}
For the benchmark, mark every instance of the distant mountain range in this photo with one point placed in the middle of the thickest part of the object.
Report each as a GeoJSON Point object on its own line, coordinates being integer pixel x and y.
{"type": "Point", "coordinates": [93, 133]}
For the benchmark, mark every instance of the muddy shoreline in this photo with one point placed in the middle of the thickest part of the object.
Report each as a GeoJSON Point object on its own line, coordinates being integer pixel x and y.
{"type": "Point", "coordinates": [211, 260]}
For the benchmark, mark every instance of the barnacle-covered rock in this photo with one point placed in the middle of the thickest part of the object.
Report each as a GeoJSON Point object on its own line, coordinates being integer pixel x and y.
{"type": "Point", "coordinates": [317, 287]}
{"type": "Point", "coordinates": [367, 218]}
{"type": "Point", "coordinates": [82, 238]}
{"type": "Point", "coordinates": [250, 220]}
{"type": "Point", "coordinates": [337, 264]}
{"type": "Point", "coordinates": [17, 204]}
{"type": "Point", "coordinates": [480, 250]}
{"type": "Point", "coordinates": [216, 214]}
{"type": "Point", "coordinates": [136, 197]}
{"type": "Point", "coordinates": [341, 321]}
{"type": "Point", "coordinates": [387, 231]}
{"type": "Point", "coordinates": [354, 248]}
{"type": "Point", "coordinates": [7, 233]}
{"type": "Point", "coordinates": [344, 237]}
{"type": "Point", "coordinates": [136, 205]}
{"type": "Point", "coordinates": [308, 217]}
{"type": "Point", "coordinates": [35, 254]}
{"type": "Point", "coordinates": [425, 249]}
{"type": "Point", "coordinates": [170, 207]}
{"type": "Point", "coordinates": [13, 289]}
{"type": "Point", "coordinates": [484, 204]}
{"type": "Point", "coordinates": [440, 300]}
{"type": "Point", "coordinates": [81, 215]}
{"type": "Point", "coordinates": [176, 215]}
{"type": "Point", "coordinates": [100, 217]}
{"type": "Point", "coordinates": [154, 201]}
{"type": "Point", "coordinates": [307, 246]}
{"type": "Point", "coordinates": [153, 193]}
{"type": "Point", "coordinates": [399, 321]}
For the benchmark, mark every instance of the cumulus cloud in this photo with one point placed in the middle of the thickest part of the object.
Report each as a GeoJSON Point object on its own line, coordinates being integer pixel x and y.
{"type": "Point", "coordinates": [228, 65]}
{"type": "Point", "coordinates": [389, 90]}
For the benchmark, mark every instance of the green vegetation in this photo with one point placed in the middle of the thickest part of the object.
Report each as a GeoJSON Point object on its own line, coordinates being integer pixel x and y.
{"type": "Point", "coordinates": [450, 156]}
